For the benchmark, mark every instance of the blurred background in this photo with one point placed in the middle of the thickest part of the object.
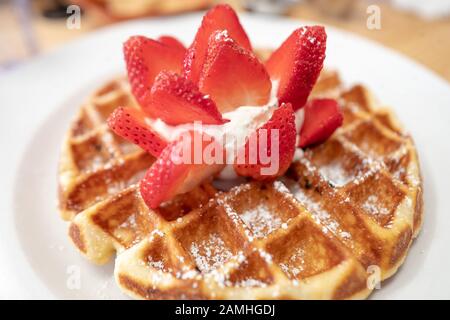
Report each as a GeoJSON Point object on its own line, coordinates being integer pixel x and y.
{"type": "Point", "coordinates": [419, 29]}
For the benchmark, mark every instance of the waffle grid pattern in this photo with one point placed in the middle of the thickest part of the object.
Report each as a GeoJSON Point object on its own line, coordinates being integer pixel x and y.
{"type": "Point", "coordinates": [344, 207]}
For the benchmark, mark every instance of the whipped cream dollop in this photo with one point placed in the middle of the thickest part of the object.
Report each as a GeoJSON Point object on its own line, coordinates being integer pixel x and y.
{"type": "Point", "coordinates": [243, 121]}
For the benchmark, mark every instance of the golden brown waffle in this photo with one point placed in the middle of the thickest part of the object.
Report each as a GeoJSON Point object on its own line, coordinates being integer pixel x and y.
{"type": "Point", "coordinates": [346, 210]}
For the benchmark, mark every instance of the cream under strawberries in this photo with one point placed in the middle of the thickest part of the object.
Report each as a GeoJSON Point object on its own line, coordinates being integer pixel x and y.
{"type": "Point", "coordinates": [243, 121]}
{"type": "Point", "coordinates": [218, 88]}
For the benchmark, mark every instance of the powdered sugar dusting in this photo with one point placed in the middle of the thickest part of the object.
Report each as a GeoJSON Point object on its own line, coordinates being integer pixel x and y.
{"type": "Point", "coordinates": [294, 264]}
{"type": "Point", "coordinates": [319, 215]}
{"type": "Point", "coordinates": [250, 282]}
{"type": "Point", "coordinates": [374, 207]}
{"type": "Point", "coordinates": [280, 187]}
{"type": "Point", "coordinates": [335, 173]}
{"type": "Point", "coordinates": [130, 222]}
{"type": "Point", "coordinates": [260, 220]}
{"type": "Point", "coordinates": [156, 264]}
{"type": "Point", "coordinates": [265, 255]}
{"type": "Point", "coordinates": [210, 253]}
{"type": "Point", "coordinates": [223, 36]}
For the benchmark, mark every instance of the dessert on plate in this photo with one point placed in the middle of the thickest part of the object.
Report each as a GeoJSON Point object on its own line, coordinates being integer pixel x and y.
{"type": "Point", "coordinates": [222, 172]}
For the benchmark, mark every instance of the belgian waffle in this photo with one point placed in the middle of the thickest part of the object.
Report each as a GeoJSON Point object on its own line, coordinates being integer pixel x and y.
{"type": "Point", "coordinates": [345, 211]}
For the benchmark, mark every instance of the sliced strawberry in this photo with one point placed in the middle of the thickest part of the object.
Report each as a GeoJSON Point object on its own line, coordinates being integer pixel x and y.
{"type": "Point", "coordinates": [172, 42]}
{"type": "Point", "coordinates": [129, 123]}
{"type": "Point", "coordinates": [145, 58]}
{"type": "Point", "coordinates": [175, 172]}
{"type": "Point", "coordinates": [297, 64]}
{"type": "Point", "coordinates": [221, 17]}
{"type": "Point", "coordinates": [322, 118]}
{"type": "Point", "coordinates": [282, 119]}
{"type": "Point", "coordinates": [177, 100]}
{"type": "Point", "coordinates": [232, 75]}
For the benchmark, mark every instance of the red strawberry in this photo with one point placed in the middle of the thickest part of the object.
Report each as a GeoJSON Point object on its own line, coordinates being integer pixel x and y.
{"type": "Point", "coordinates": [175, 172]}
{"type": "Point", "coordinates": [221, 17]}
{"type": "Point", "coordinates": [145, 58]}
{"type": "Point", "coordinates": [177, 100]}
{"type": "Point", "coordinates": [232, 75]}
{"type": "Point", "coordinates": [282, 119]}
{"type": "Point", "coordinates": [297, 64]}
{"type": "Point", "coordinates": [322, 118]}
{"type": "Point", "coordinates": [129, 123]}
{"type": "Point", "coordinates": [172, 42]}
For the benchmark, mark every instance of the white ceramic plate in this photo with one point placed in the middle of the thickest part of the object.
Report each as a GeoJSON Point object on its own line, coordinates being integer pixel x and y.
{"type": "Point", "coordinates": [39, 99]}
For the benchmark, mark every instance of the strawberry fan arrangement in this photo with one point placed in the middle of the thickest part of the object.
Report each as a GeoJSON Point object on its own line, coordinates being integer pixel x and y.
{"type": "Point", "coordinates": [217, 74]}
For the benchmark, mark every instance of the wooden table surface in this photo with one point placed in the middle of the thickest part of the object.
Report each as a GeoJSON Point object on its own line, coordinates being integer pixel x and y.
{"type": "Point", "coordinates": [428, 42]}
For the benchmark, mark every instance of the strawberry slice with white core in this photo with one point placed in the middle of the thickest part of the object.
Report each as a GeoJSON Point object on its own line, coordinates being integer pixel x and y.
{"type": "Point", "coordinates": [221, 17]}
{"type": "Point", "coordinates": [172, 42]}
{"type": "Point", "coordinates": [176, 100]}
{"type": "Point", "coordinates": [322, 118]}
{"type": "Point", "coordinates": [297, 63]}
{"type": "Point", "coordinates": [181, 167]}
{"type": "Point", "coordinates": [129, 123]}
{"type": "Point", "coordinates": [280, 129]}
{"type": "Point", "coordinates": [232, 75]}
{"type": "Point", "coordinates": [145, 58]}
